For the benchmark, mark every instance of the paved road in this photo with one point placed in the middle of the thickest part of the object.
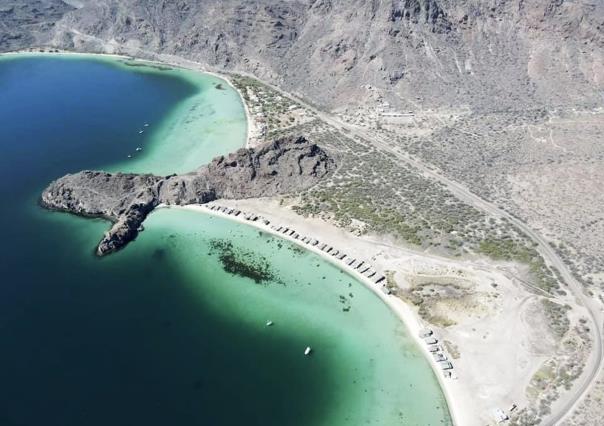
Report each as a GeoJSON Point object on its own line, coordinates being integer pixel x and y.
{"type": "Point", "coordinates": [596, 360]}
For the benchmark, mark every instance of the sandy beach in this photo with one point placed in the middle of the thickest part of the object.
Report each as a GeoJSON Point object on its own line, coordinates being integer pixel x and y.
{"type": "Point", "coordinates": [496, 343]}
{"type": "Point", "coordinates": [451, 388]}
{"type": "Point", "coordinates": [402, 311]}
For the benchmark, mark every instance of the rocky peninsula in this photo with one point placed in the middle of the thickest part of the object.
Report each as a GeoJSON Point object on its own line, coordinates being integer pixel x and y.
{"type": "Point", "coordinates": [284, 166]}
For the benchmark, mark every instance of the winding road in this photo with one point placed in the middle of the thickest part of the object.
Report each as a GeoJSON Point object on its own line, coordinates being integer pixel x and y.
{"type": "Point", "coordinates": [596, 360]}
{"type": "Point", "coordinates": [565, 406]}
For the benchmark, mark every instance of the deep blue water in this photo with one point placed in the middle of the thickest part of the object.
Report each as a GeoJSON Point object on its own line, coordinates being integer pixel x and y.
{"type": "Point", "coordinates": [118, 341]}
{"type": "Point", "coordinates": [60, 115]}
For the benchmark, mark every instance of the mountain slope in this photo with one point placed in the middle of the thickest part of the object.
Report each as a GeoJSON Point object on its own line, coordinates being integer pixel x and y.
{"type": "Point", "coordinates": [438, 52]}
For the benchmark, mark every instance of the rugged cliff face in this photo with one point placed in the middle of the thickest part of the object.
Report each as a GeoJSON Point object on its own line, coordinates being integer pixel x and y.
{"type": "Point", "coordinates": [31, 22]}
{"type": "Point", "coordinates": [435, 53]}
{"type": "Point", "coordinates": [284, 166]}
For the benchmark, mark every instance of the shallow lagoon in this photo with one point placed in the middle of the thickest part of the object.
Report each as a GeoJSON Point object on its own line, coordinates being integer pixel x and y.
{"type": "Point", "coordinates": [159, 333]}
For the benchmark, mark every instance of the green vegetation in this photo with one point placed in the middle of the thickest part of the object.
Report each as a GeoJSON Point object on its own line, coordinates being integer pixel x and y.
{"type": "Point", "coordinates": [350, 202]}
{"type": "Point", "coordinates": [558, 372]}
{"type": "Point", "coordinates": [273, 109]}
{"type": "Point", "coordinates": [557, 317]}
{"type": "Point", "coordinates": [543, 390]}
{"type": "Point", "coordinates": [372, 192]}
{"type": "Point", "coordinates": [518, 250]}
{"type": "Point", "coordinates": [389, 198]}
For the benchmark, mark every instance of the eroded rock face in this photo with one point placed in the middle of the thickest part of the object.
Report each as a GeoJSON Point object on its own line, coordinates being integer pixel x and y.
{"type": "Point", "coordinates": [26, 23]}
{"type": "Point", "coordinates": [283, 166]}
{"type": "Point", "coordinates": [442, 52]}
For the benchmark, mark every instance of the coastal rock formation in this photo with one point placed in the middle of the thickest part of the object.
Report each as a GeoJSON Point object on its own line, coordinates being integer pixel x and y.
{"type": "Point", "coordinates": [283, 166]}
{"type": "Point", "coordinates": [125, 199]}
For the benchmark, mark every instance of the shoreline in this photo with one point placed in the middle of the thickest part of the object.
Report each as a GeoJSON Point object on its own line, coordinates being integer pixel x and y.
{"type": "Point", "coordinates": [196, 68]}
{"type": "Point", "coordinates": [398, 307]}
{"type": "Point", "coordinates": [477, 386]}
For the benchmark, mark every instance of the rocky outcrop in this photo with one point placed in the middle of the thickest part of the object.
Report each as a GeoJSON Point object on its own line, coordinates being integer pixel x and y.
{"type": "Point", "coordinates": [125, 199]}
{"type": "Point", "coordinates": [283, 166]}
{"type": "Point", "coordinates": [421, 11]}
{"type": "Point", "coordinates": [438, 52]}
{"type": "Point", "coordinates": [27, 23]}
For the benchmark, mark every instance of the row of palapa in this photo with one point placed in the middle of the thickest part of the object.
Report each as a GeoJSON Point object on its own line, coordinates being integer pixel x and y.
{"type": "Point", "coordinates": [437, 352]}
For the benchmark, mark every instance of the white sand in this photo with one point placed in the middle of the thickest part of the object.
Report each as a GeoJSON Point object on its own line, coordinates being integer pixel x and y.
{"type": "Point", "coordinates": [403, 311]}
{"type": "Point", "coordinates": [500, 343]}
{"type": "Point", "coordinates": [397, 305]}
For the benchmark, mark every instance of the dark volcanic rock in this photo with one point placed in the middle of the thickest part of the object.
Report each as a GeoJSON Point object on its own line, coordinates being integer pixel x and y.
{"type": "Point", "coordinates": [283, 166]}
{"type": "Point", "coordinates": [125, 199]}
{"type": "Point", "coordinates": [28, 23]}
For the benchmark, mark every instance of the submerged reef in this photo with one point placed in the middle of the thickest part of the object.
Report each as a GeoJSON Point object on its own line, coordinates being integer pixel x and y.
{"type": "Point", "coordinates": [244, 263]}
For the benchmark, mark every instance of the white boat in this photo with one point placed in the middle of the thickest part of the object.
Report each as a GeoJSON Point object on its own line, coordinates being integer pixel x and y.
{"type": "Point", "coordinates": [138, 148]}
{"type": "Point", "coordinates": [269, 323]}
{"type": "Point", "coordinates": [129, 156]}
{"type": "Point", "coordinates": [307, 351]}
{"type": "Point", "coordinates": [146, 124]}
{"type": "Point", "coordinates": [140, 131]}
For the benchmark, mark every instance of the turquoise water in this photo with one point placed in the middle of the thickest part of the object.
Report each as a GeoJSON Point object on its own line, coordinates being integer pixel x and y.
{"type": "Point", "coordinates": [209, 123]}
{"type": "Point", "coordinates": [160, 333]}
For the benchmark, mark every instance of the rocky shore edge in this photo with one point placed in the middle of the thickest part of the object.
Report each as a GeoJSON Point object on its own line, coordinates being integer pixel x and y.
{"type": "Point", "coordinates": [284, 166]}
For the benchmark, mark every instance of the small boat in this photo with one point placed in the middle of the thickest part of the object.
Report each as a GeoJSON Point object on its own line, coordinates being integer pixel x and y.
{"type": "Point", "coordinates": [129, 156]}
{"type": "Point", "coordinates": [269, 323]}
{"type": "Point", "coordinates": [307, 351]}
{"type": "Point", "coordinates": [146, 124]}
{"type": "Point", "coordinates": [138, 149]}
{"type": "Point", "coordinates": [140, 131]}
